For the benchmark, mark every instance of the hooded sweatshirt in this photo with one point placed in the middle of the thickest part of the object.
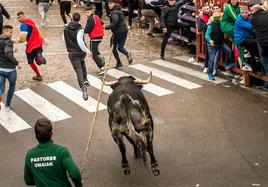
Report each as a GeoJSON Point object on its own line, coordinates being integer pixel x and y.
{"type": "Point", "coordinates": [7, 59]}
{"type": "Point", "coordinates": [70, 35]}
{"type": "Point", "coordinates": [117, 20]}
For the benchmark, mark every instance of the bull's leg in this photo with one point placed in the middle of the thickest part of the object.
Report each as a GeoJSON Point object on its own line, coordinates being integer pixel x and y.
{"type": "Point", "coordinates": [154, 164]}
{"type": "Point", "coordinates": [135, 147]}
{"type": "Point", "coordinates": [122, 148]}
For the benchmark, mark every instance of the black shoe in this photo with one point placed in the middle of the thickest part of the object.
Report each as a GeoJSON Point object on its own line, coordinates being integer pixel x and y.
{"type": "Point", "coordinates": [118, 65]}
{"type": "Point", "coordinates": [130, 59]}
{"type": "Point", "coordinates": [84, 91]}
{"type": "Point", "coordinates": [151, 34]}
{"type": "Point", "coordinates": [162, 57]}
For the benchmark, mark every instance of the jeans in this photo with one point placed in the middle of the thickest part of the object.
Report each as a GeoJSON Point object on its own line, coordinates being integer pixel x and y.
{"type": "Point", "coordinates": [78, 61]}
{"type": "Point", "coordinates": [94, 48]}
{"type": "Point", "coordinates": [213, 58]}
{"type": "Point", "coordinates": [263, 49]}
{"type": "Point", "coordinates": [11, 77]}
{"type": "Point", "coordinates": [43, 9]}
{"type": "Point", "coordinates": [118, 44]}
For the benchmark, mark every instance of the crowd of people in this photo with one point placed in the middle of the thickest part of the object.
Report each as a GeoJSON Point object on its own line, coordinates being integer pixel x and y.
{"type": "Point", "coordinates": [240, 32]}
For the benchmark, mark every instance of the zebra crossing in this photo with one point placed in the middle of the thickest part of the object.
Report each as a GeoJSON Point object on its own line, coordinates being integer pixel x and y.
{"type": "Point", "coordinates": [12, 122]}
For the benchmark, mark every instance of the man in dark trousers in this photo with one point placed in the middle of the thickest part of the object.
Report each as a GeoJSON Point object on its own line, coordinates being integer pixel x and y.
{"type": "Point", "coordinates": [95, 32]}
{"type": "Point", "coordinates": [75, 45]}
{"type": "Point", "coordinates": [259, 21]}
{"type": "Point", "coordinates": [8, 65]}
{"type": "Point", "coordinates": [49, 164]}
{"type": "Point", "coordinates": [119, 30]}
{"type": "Point", "coordinates": [169, 21]}
{"type": "Point", "coordinates": [3, 12]}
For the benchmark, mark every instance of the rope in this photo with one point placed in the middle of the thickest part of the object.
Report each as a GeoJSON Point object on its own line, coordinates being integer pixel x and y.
{"type": "Point", "coordinates": [94, 118]}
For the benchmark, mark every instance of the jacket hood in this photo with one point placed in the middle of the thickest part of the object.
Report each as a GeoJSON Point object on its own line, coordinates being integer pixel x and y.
{"type": "Point", "coordinates": [73, 25]}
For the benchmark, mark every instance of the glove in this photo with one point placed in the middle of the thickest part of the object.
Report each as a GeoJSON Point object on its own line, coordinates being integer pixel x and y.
{"type": "Point", "coordinates": [107, 27]}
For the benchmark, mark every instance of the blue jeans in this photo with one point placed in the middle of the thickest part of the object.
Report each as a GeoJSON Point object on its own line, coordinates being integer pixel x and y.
{"type": "Point", "coordinates": [214, 56]}
{"type": "Point", "coordinates": [118, 44]}
{"type": "Point", "coordinates": [263, 50]}
{"type": "Point", "coordinates": [11, 77]}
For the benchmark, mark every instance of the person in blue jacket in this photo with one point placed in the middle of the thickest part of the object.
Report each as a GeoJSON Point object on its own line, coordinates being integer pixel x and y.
{"type": "Point", "coordinates": [243, 32]}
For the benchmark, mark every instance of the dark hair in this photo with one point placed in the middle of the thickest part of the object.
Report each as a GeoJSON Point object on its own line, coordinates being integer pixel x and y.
{"type": "Point", "coordinates": [218, 5]}
{"type": "Point", "coordinates": [20, 13]}
{"type": "Point", "coordinates": [6, 27]}
{"type": "Point", "coordinates": [43, 130]}
{"type": "Point", "coordinates": [88, 8]}
{"type": "Point", "coordinates": [76, 17]}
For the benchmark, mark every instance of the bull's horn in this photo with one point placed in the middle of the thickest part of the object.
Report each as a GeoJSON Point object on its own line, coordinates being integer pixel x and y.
{"type": "Point", "coordinates": [111, 83]}
{"type": "Point", "coordinates": [146, 81]}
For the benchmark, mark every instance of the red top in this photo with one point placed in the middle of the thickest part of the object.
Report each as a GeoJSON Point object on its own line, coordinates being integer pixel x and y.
{"type": "Point", "coordinates": [35, 40]}
{"type": "Point", "coordinates": [205, 18]}
{"type": "Point", "coordinates": [97, 31]}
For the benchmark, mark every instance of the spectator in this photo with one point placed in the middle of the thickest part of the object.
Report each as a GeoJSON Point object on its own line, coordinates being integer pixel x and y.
{"type": "Point", "coordinates": [150, 9]}
{"type": "Point", "coordinates": [95, 32]}
{"type": "Point", "coordinates": [119, 29]}
{"type": "Point", "coordinates": [65, 9]}
{"type": "Point", "coordinates": [131, 4]}
{"type": "Point", "coordinates": [259, 21]}
{"type": "Point", "coordinates": [243, 32]}
{"type": "Point", "coordinates": [202, 21]}
{"type": "Point", "coordinates": [215, 38]}
{"type": "Point", "coordinates": [49, 164]}
{"type": "Point", "coordinates": [30, 33]}
{"type": "Point", "coordinates": [74, 38]}
{"type": "Point", "coordinates": [8, 65]}
{"type": "Point", "coordinates": [169, 22]}
{"type": "Point", "coordinates": [4, 12]}
{"type": "Point", "coordinates": [43, 7]}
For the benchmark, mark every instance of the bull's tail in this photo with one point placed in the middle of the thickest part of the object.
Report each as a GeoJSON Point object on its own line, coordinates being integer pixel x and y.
{"type": "Point", "coordinates": [135, 116]}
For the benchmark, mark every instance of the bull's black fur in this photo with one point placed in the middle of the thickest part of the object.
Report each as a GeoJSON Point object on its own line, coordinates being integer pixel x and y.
{"type": "Point", "coordinates": [129, 116]}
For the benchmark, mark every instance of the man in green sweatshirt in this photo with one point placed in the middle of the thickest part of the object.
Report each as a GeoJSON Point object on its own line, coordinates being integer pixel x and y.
{"type": "Point", "coordinates": [47, 164]}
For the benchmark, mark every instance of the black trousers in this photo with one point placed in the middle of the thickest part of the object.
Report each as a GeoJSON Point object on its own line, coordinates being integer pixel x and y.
{"type": "Point", "coordinates": [251, 45]}
{"type": "Point", "coordinates": [78, 61]}
{"type": "Point", "coordinates": [65, 8]}
{"type": "Point", "coordinates": [94, 48]}
{"type": "Point", "coordinates": [1, 27]}
{"type": "Point", "coordinates": [98, 10]}
{"type": "Point", "coordinates": [131, 7]}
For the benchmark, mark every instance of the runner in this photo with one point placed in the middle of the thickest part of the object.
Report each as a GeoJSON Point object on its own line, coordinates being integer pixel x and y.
{"type": "Point", "coordinates": [4, 12]}
{"type": "Point", "coordinates": [30, 33]}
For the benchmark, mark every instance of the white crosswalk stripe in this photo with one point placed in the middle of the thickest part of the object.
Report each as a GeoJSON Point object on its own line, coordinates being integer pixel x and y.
{"type": "Point", "coordinates": [76, 96]}
{"type": "Point", "coordinates": [42, 105]}
{"type": "Point", "coordinates": [152, 88]}
{"type": "Point", "coordinates": [186, 70]}
{"type": "Point", "coordinates": [96, 83]}
{"type": "Point", "coordinates": [166, 76]}
{"type": "Point", "coordinates": [11, 121]}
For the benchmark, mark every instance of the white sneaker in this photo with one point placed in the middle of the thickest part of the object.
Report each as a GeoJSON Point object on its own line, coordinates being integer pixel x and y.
{"type": "Point", "coordinates": [42, 24]}
{"type": "Point", "coordinates": [75, 5]}
{"type": "Point", "coordinates": [247, 67]}
{"type": "Point", "coordinates": [205, 70]}
{"type": "Point", "coordinates": [242, 81]}
{"type": "Point", "coordinates": [129, 27]}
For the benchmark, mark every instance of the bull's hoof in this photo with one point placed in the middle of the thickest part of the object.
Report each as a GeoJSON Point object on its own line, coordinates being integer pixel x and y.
{"type": "Point", "coordinates": [155, 169]}
{"type": "Point", "coordinates": [126, 169]}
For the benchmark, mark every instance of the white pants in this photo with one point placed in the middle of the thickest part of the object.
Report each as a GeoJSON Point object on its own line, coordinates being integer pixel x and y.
{"type": "Point", "coordinates": [43, 9]}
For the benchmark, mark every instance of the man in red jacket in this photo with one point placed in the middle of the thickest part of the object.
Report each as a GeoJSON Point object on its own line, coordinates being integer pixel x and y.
{"type": "Point", "coordinates": [95, 32]}
{"type": "Point", "coordinates": [30, 33]}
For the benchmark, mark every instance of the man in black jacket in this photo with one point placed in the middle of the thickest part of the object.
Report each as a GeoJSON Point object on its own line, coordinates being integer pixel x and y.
{"type": "Point", "coordinates": [3, 12]}
{"type": "Point", "coordinates": [169, 21]}
{"type": "Point", "coordinates": [74, 38]}
{"type": "Point", "coordinates": [259, 21]}
{"type": "Point", "coordinates": [119, 30]}
{"type": "Point", "coordinates": [8, 65]}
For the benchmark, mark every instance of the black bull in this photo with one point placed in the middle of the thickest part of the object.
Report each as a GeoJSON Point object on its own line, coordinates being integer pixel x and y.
{"type": "Point", "coordinates": [129, 116]}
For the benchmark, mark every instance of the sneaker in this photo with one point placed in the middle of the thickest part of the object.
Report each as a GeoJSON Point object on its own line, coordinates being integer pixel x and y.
{"type": "Point", "coordinates": [205, 70]}
{"type": "Point", "coordinates": [86, 83]}
{"type": "Point", "coordinates": [75, 5]}
{"type": "Point", "coordinates": [6, 107]}
{"type": "Point", "coordinates": [118, 65]}
{"type": "Point", "coordinates": [214, 72]}
{"type": "Point", "coordinates": [162, 57]}
{"type": "Point", "coordinates": [229, 66]}
{"type": "Point", "coordinates": [84, 91]}
{"type": "Point", "coordinates": [247, 67]}
{"type": "Point", "coordinates": [246, 54]}
{"type": "Point", "coordinates": [101, 72]}
{"type": "Point", "coordinates": [242, 81]}
{"type": "Point", "coordinates": [130, 59]}
{"type": "Point", "coordinates": [37, 78]}
{"type": "Point", "coordinates": [211, 77]}
{"type": "Point", "coordinates": [150, 34]}
{"type": "Point", "coordinates": [129, 27]}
